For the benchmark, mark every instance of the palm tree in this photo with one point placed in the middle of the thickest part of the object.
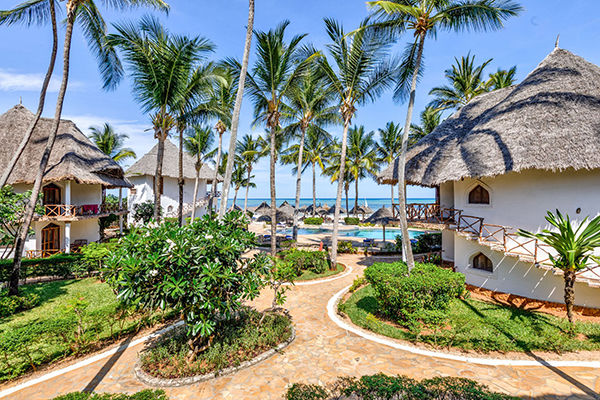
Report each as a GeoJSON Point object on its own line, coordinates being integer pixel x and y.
{"type": "Point", "coordinates": [235, 119]}
{"type": "Point", "coordinates": [574, 245]}
{"type": "Point", "coordinates": [278, 69]}
{"type": "Point", "coordinates": [362, 156]}
{"type": "Point", "coordinates": [502, 78]}
{"type": "Point", "coordinates": [466, 82]}
{"type": "Point", "coordinates": [250, 150]}
{"type": "Point", "coordinates": [111, 143]}
{"type": "Point", "coordinates": [311, 104]}
{"type": "Point", "coordinates": [94, 29]}
{"type": "Point", "coordinates": [197, 143]}
{"type": "Point", "coordinates": [334, 158]}
{"type": "Point", "coordinates": [238, 180]}
{"type": "Point", "coordinates": [390, 144]}
{"type": "Point", "coordinates": [160, 64]}
{"type": "Point", "coordinates": [430, 117]}
{"type": "Point", "coordinates": [425, 18]}
{"type": "Point", "coordinates": [362, 73]}
{"type": "Point", "coordinates": [28, 16]}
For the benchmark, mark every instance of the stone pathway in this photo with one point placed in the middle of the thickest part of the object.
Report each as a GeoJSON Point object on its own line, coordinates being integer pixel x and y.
{"type": "Point", "coordinates": [321, 352]}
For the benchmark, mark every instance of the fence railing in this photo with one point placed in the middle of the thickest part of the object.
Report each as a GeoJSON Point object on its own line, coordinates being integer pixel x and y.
{"type": "Point", "coordinates": [65, 210]}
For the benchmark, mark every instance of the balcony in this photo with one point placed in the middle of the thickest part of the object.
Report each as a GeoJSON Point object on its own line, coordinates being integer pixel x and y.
{"type": "Point", "coordinates": [65, 212]}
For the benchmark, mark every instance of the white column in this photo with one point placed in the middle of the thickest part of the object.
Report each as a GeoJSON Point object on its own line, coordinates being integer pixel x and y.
{"type": "Point", "coordinates": [68, 196]}
{"type": "Point", "coordinates": [67, 237]}
{"type": "Point", "coordinates": [120, 215]}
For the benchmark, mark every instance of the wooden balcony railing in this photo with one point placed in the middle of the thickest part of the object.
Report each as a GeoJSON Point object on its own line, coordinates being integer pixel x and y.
{"type": "Point", "coordinates": [65, 211]}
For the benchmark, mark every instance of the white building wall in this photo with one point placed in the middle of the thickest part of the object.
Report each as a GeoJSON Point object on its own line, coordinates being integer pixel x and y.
{"type": "Point", "coordinates": [517, 277]}
{"type": "Point", "coordinates": [87, 229]}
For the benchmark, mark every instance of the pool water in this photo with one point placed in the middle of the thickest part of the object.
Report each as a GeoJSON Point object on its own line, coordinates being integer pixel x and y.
{"type": "Point", "coordinates": [366, 233]}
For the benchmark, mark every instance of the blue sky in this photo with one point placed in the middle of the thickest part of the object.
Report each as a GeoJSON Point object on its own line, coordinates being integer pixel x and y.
{"type": "Point", "coordinates": [524, 42]}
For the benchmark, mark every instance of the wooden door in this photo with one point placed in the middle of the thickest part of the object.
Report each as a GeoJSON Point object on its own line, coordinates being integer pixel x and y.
{"type": "Point", "coordinates": [51, 194]}
{"type": "Point", "coordinates": [50, 240]}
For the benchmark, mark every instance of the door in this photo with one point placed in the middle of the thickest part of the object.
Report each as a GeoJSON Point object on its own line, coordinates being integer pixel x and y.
{"type": "Point", "coordinates": [50, 240]}
{"type": "Point", "coordinates": [51, 194]}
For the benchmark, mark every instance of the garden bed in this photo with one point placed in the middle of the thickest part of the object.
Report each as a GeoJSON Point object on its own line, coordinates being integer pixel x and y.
{"type": "Point", "coordinates": [237, 344]}
{"type": "Point", "coordinates": [481, 327]}
{"type": "Point", "coordinates": [73, 318]}
{"type": "Point", "coordinates": [310, 275]}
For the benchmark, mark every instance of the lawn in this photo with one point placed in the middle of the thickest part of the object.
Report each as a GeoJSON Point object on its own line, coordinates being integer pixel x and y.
{"type": "Point", "coordinates": [73, 317]}
{"type": "Point", "coordinates": [481, 326]}
{"type": "Point", "coordinates": [308, 275]}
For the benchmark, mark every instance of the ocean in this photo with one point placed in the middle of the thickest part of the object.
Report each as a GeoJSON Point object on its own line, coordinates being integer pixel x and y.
{"type": "Point", "coordinates": [374, 203]}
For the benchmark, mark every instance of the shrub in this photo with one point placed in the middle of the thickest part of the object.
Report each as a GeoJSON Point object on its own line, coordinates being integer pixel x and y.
{"type": "Point", "coordinates": [10, 305]}
{"type": "Point", "coordinates": [61, 265]}
{"type": "Point", "coordinates": [423, 296]}
{"type": "Point", "coordinates": [313, 221]}
{"type": "Point", "coordinates": [351, 221]}
{"type": "Point", "coordinates": [143, 395]}
{"type": "Point", "coordinates": [287, 244]}
{"type": "Point", "coordinates": [383, 387]}
{"type": "Point", "coordinates": [345, 246]}
{"type": "Point", "coordinates": [144, 212]}
{"type": "Point", "coordinates": [197, 270]}
{"type": "Point", "coordinates": [304, 260]}
{"type": "Point", "coordinates": [428, 242]}
{"type": "Point", "coordinates": [94, 254]}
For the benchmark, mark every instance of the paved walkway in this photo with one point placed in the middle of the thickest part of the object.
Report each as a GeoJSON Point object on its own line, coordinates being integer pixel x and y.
{"type": "Point", "coordinates": [321, 352]}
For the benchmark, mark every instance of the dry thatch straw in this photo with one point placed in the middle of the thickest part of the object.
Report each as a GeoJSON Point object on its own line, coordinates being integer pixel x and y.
{"type": "Point", "coordinates": [147, 165]}
{"type": "Point", "coordinates": [74, 157]}
{"type": "Point", "coordinates": [550, 121]}
{"type": "Point", "coordinates": [263, 208]}
{"type": "Point", "coordinates": [382, 216]}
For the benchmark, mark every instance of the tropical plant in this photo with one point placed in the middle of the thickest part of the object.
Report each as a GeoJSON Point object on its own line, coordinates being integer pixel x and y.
{"type": "Point", "coordinates": [334, 158]}
{"type": "Point", "coordinates": [250, 150]}
{"type": "Point", "coordinates": [24, 14]}
{"type": "Point", "coordinates": [94, 29]}
{"type": "Point", "coordinates": [465, 83]}
{"type": "Point", "coordinates": [363, 71]}
{"type": "Point", "coordinates": [197, 143]}
{"type": "Point", "coordinates": [430, 118]}
{"type": "Point", "coordinates": [389, 146]}
{"type": "Point", "coordinates": [425, 18]}
{"type": "Point", "coordinates": [574, 245]}
{"type": "Point", "coordinates": [239, 180]}
{"type": "Point", "coordinates": [310, 105]}
{"type": "Point", "coordinates": [278, 68]}
{"type": "Point", "coordinates": [111, 143]}
{"type": "Point", "coordinates": [144, 212]}
{"type": "Point", "coordinates": [502, 78]}
{"type": "Point", "coordinates": [235, 119]}
{"type": "Point", "coordinates": [362, 156]}
{"type": "Point", "coordinates": [160, 65]}
{"type": "Point", "coordinates": [12, 209]}
{"type": "Point", "coordinates": [316, 147]}
{"type": "Point", "coordinates": [197, 270]}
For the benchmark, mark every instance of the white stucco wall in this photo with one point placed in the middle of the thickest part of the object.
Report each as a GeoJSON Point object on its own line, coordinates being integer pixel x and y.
{"type": "Point", "coordinates": [80, 194]}
{"type": "Point", "coordinates": [517, 277]}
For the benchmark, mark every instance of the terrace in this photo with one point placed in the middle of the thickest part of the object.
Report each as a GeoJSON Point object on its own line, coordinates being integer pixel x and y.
{"type": "Point", "coordinates": [67, 212]}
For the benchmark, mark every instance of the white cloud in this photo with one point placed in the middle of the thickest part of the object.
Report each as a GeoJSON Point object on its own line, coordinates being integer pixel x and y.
{"type": "Point", "coordinates": [11, 81]}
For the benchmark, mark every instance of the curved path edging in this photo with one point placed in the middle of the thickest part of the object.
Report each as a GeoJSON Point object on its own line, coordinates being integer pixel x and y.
{"type": "Point", "coordinates": [154, 381]}
{"type": "Point", "coordinates": [335, 277]}
{"type": "Point", "coordinates": [333, 315]}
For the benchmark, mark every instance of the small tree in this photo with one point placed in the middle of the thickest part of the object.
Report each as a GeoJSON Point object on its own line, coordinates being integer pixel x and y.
{"type": "Point", "coordinates": [197, 270]}
{"type": "Point", "coordinates": [12, 210]}
{"type": "Point", "coordinates": [575, 247]}
{"type": "Point", "coordinates": [143, 212]}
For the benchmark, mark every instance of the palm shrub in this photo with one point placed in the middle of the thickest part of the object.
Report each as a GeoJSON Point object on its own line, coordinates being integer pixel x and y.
{"type": "Point", "coordinates": [574, 246]}
{"type": "Point", "coordinates": [197, 270]}
{"type": "Point", "coordinates": [313, 221]}
{"type": "Point", "coordinates": [304, 260]}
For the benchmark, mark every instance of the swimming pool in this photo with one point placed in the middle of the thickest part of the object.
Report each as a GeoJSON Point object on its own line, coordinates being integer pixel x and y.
{"type": "Point", "coordinates": [365, 233]}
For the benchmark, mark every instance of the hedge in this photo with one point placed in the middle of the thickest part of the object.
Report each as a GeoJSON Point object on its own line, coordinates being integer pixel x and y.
{"type": "Point", "coordinates": [313, 221]}
{"type": "Point", "coordinates": [304, 260]}
{"type": "Point", "coordinates": [143, 395]}
{"type": "Point", "coordinates": [423, 296]}
{"type": "Point", "coordinates": [351, 221]}
{"type": "Point", "coordinates": [57, 265]}
{"type": "Point", "coordinates": [383, 387]}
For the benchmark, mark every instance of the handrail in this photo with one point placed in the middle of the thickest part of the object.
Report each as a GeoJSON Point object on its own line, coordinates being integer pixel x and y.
{"type": "Point", "coordinates": [67, 210]}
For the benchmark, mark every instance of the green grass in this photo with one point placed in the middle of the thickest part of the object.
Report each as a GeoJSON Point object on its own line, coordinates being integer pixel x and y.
{"type": "Point", "coordinates": [310, 275]}
{"type": "Point", "coordinates": [53, 330]}
{"type": "Point", "coordinates": [481, 326]}
{"type": "Point", "coordinates": [235, 341]}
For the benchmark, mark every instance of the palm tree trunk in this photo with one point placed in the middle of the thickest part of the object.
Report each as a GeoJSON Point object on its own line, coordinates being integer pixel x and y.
{"type": "Point", "coordinates": [237, 189]}
{"type": "Point", "coordinates": [215, 180]}
{"type": "Point", "coordinates": [40, 109]}
{"type": "Point", "coordinates": [273, 197]}
{"type": "Point", "coordinates": [235, 120]}
{"type": "Point", "coordinates": [247, 189]}
{"type": "Point", "coordinates": [158, 178]}
{"type": "Point", "coordinates": [408, 254]}
{"type": "Point", "coordinates": [314, 171]}
{"type": "Point", "coordinates": [569, 277]}
{"type": "Point", "coordinates": [392, 196]}
{"type": "Point", "coordinates": [29, 211]}
{"type": "Point", "coordinates": [338, 198]}
{"type": "Point", "coordinates": [298, 184]}
{"type": "Point", "coordinates": [194, 199]}
{"type": "Point", "coordinates": [356, 194]}
{"type": "Point", "coordinates": [180, 180]}
{"type": "Point", "coordinates": [346, 189]}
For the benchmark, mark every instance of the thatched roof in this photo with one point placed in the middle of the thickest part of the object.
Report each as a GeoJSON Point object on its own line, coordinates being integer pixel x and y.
{"type": "Point", "coordinates": [382, 216]}
{"type": "Point", "coordinates": [361, 210]}
{"type": "Point", "coordinates": [286, 208]}
{"type": "Point", "coordinates": [147, 164]}
{"type": "Point", "coordinates": [550, 121]}
{"type": "Point", "coordinates": [74, 157]}
{"type": "Point", "coordinates": [332, 210]}
{"type": "Point", "coordinates": [263, 208]}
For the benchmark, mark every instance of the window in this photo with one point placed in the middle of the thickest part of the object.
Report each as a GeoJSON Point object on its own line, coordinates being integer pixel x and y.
{"type": "Point", "coordinates": [479, 196]}
{"type": "Point", "coordinates": [480, 261]}
{"type": "Point", "coordinates": [51, 194]}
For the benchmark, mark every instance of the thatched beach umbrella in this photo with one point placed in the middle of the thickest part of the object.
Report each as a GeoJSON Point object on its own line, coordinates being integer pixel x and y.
{"type": "Point", "coordinates": [332, 210]}
{"type": "Point", "coordinates": [362, 210]}
{"type": "Point", "coordinates": [286, 208]}
{"type": "Point", "coordinates": [263, 209]}
{"type": "Point", "coordinates": [383, 217]}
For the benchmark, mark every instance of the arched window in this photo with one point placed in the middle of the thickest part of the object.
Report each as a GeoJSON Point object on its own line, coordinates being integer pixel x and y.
{"type": "Point", "coordinates": [51, 194]}
{"type": "Point", "coordinates": [479, 195]}
{"type": "Point", "coordinates": [480, 261]}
